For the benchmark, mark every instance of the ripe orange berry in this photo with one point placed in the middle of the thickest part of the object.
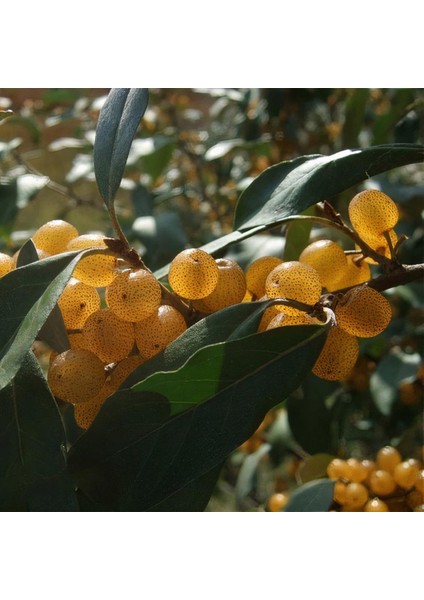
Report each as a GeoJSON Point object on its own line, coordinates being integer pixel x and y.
{"type": "Point", "coordinates": [357, 471]}
{"type": "Point", "coordinates": [230, 288]}
{"type": "Point", "coordinates": [356, 495]}
{"type": "Point", "coordinates": [339, 494]}
{"type": "Point", "coordinates": [154, 334]}
{"type": "Point", "coordinates": [387, 458]}
{"type": "Point", "coordinates": [405, 474]}
{"type": "Point", "coordinates": [134, 295]}
{"type": "Point", "coordinates": [363, 312]}
{"type": "Point", "coordinates": [76, 376]}
{"type": "Point", "coordinates": [328, 259]}
{"type": "Point", "coordinates": [193, 274]}
{"type": "Point", "coordinates": [97, 270]}
{"type": "Point", "coordinates": [258, 271]}
{"type": "Point", "coordinates": [295, 281]}
{"type": "Point", "coordinates": [53, 237]}
{"type": "Point", "coordinates": [381, 483]}
{"type": "Point", "coordinates": [6, 264]}
{"type": "Point", "coordinates": [376, 505]}
{"type": "Point", "coordinates": [338, 356]}
{"type": "Point", "coordinates": [277, 502]}
{"type": "Point", "coordinates": [107, 336]}
{"type": "Point", "coordinates": [77, 302]}
{"type": "Point", "coordinates": [419, 482]}
{"type": "Point", "coordinates": [372, 212]}
{"type": "Point", "coordinates": [337, 469]}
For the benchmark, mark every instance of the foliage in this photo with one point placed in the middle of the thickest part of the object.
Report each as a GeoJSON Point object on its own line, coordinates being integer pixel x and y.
{"type": "Point", "coordinates": [219, 176]}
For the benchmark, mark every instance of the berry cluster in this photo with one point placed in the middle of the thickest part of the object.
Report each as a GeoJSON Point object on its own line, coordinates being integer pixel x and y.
{"type": "Point", "coordinates": [118, 314]}
{"type": "Point", "coordinates": [386, 483]}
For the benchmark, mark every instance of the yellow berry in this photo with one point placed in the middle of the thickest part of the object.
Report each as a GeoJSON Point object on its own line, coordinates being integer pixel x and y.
{"type": "Point", "coordinates": [295, 281]}
{"type": "Point", "coordinates": [76, 376]}
{"type": "Point", "coordinates": [108, 336]}
{"type": "Point", "coordinates": [356, 495]}
{"type": "Point", "coordinates": [77, 302]}
{"type": "Point", "coordinates": [387, 458]}
{"type": "Point", "coordinates": [97, 270]}
{"type": "Point", "coordinates": [405, 474]}
{"type": "Point", "coordinates": [355, 272]}
{"type": "Point", "coordinates": [357, 471]}
{"type": "Point", "coordinates": [376, 505]}
{"type": "Point", "coordinates": [380, 244]}
{"type": "Point", "coordinates": [282, 320]}
{"type": "Point", "coordinates": [337, 469]}
{"type": "Point", "coordinates": [258, 271]}
{"type": "Point", "coordinates": [328, 259]}
{"type": "Point", "coordinates": [154, 334]}
{"type": "Point", "coordinates": [363, 312]}
{"type": "Point", "coordinates": [6, 264]}
{"type": "Point", "coordinates": [338, 356]}
{"type": "Point", "coordinates": [339, 494]}
{"type": "Point", "coordinates": [230, 288]}
{"type": "Point", "coordinates": [381, 483]}
{"type": "Point", "coordinates": [372, 212]}
{"type": "Point", "coordinates": [419, 482]}
{"type": "Point", "coordinates": [193, 274]}
{"type": "Point", "coordinates": [54, 236]}
{"type": "Point", "coordinates": [277, 502]}
{"type": "Point", "coordinates": [134, 295]}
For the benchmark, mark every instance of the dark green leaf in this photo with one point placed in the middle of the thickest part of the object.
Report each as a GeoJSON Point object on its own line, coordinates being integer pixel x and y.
{"type": "Point", "coordinates": [27, 297]}
{"type": "Point", "coordinates": [142, 470]}
{"type": "Point", "coordinates": [236, 321]}
{"type": "Point", "coordinates": [53, 332]}
{"type": "Point", "coordinates": [118, 122]}
{"type": "Point", "coordinates": [290, 187]}
{"type": "Point", "coordinates": [314, 496]}
{"type": "Point", "coordinates": [32, 459]}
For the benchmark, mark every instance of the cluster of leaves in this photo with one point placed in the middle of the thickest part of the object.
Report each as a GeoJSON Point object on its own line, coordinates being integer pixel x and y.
{"type": "Point", "coordinates": [160, 442]}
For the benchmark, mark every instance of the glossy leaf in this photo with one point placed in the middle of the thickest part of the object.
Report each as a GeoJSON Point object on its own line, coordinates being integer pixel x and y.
{"type": "Point", "coordinates": [143, 470]}
{"type": "Point", "coordinates": [235, 321]}
{"type": "Point", "coordinates": [314, 496]}
{"type": "Point", "coordinates": [288, 188]}
{"type": "Point", "coordinates": [27, 297]}
{"type": "Point", "coordinates": [118, 122]}
{"type": "Point", "coordinates": [33, 473]}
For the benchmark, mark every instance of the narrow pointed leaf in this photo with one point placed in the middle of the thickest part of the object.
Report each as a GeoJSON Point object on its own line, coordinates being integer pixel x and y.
{"type": "Point", "coordinates": [118, 122]}
{"type": "Point", "coordinates": [288, 188]}
{"type": "Point", "coordinates": [153, 466]}
{"type": "Point", "coordinates": [53, 332]}
{"type": "Point", "coordinates": [33, 473]}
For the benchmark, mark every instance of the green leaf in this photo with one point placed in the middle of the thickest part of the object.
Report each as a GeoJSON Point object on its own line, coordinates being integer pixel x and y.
{"type": "Point", "coordinates": [129, 468]}
{"type": "Point", "coordinates": [118, 122]}
{"type": "Point", "coordinates": [234, 321]}
{"type": "Point", "coordinates": [27, 297]}
{"type": "Point", "coordinates": [220, 366]}
{"type": "Point", "coordinates": [290, 187]}
{"type": "Point", "coordinates": [314, 496]}
{"type": "Point", "coordinates": [33, 473]}
{"type": "Point", "coordinates": [53, 332]}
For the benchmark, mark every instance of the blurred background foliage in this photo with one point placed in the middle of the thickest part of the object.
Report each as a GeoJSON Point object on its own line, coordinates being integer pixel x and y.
{"type": "Point", "coordinates": [195, 152]}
